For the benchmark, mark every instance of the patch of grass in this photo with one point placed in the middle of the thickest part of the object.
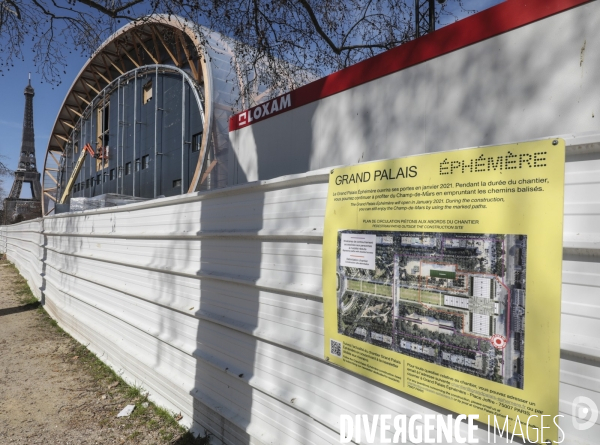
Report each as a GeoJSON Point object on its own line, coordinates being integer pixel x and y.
{"type": "Point", "coordinates": [100, 372]}
{"type": "Point", "coordinates": [23, 293]}
{"type": "Point", "coordinates": [354, 285]}
{"type": "Point", "coordinates": [430, 297]}
{"type": "Point", "coordinates": [140, 412]}
{"type": "Point", "coordinates": [368, 287]}
{"type": "Point", "coordinates": [134, 435]}
{"type": "Point", "coordinates": [166, 435]}
{"type": "Point", "coordinates": [166, 416]}
{"type": "Point", "coordinates": [409, 294]}
{"type": "Point", "coordinates": [109, 383]}
{"type": "Point", "coordinates": [371, 288]}
{"type": "Point", "coordinates": [132, 392]}
{"type": "Point", "coordinates": [383, 289]}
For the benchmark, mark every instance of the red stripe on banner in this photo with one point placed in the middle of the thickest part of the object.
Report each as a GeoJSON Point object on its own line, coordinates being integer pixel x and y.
{"type": "Point", "coordinates": [491, 22]}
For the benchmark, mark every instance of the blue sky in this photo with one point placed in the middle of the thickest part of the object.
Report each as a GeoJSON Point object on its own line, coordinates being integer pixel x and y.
{"type": "Point", "coordinates": [473, 5]}
{"type": "Point", "coordinates": [46, 103]}
{"type": "Point", "coordinates": [48, 99]}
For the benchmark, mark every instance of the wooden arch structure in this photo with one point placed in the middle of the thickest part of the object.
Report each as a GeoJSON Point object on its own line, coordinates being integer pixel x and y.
{"type": "Point", "coordinates": [156, 40]}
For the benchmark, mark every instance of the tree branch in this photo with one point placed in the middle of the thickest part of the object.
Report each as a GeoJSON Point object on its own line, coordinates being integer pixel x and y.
{"type": "Point", "coordinates": [317, 25]}
{"type": "Point", "coordinates": [113, 13]}
{"type": "Point", "coordinates": [16, 12]}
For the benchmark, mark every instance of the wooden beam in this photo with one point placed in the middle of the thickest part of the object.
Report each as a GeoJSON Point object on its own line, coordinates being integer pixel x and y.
{"type": "Point", "coordinates": [90, 85]}
{"type": "Point", "coordinates": [91, 71]}
{"type": "Point", "coordinates": [136, 51]}
{"type": "Point", "coordinates": [208, 170]}
{"type": "Point", "coordinates": [156, 47]}
{"type": "Point", "coordinates": [84, 90]}
{"type": "Point", "coordinates": [143, 32]}
{"type": "Point", "coordinates": [51, 169]}
{"type": "Point", "coordinates": [70, 115]}
{"type": "Point", "coordinates": [52, 177]}
{"type": "Point", "coordinates": [63, 126]}
{"type": "Point", "coordinates": [166, 47]}
{"type": "Point", "coordinates": [50, 189]}
{"type": "Point", "coordinates": [131, 58]}
{"type": "Point", "coordinates": [114, 65]}
{"type": "Point", "coordinates": [68, 123]}
{"type": "Point", "coordinates": [60, 136]}
{"type": "Point", "coordinates": [96, 72]}
{"type": "Point", "coordinates": [118, 56]}
{"type": "Point", "coordinates": [83, 99]}
{"type": "Point", "coordinates": [108, 73]}
{"type": "Point", "coordinates": [81, 92]}
{"type": "Point", "coordinates": [70, 107]}
{"type": "Point", "coordinates": [187, 55]}
{"type": "Point", "coordinates": [143, 45]}
{"type": "Point", "coordinates": [50, 196]}
{"type": "Point", "coordinates": [74, 174]}
{"type": "Point", "coordinates": [179, 56]}
{"type": "Point", "coordinates": [54, 157]}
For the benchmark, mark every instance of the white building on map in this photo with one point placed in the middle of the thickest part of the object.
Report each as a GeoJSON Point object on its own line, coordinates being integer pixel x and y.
{"type": "Point", "coordinates": [415, 347]}
{"type": "Point", "coordinates": [428, 350]}
{"type": "Point", "coordinates": [416, 241]}
{"type": "Point", "coordinates": [451, 300]}
{"type": "Point", "coordinates": [480, 324]}
{"type": "Point", "coordinates": [361, 331]}
{"type": "Point", "coordinates": [482, 287]}
{"type": "Point", "coordinates": [384, 240]}
{"type": "Point", "coordinates": [457, 359]}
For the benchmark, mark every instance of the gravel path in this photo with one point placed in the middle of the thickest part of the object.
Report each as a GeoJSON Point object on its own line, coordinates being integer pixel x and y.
{"type": "Point", "coordinates": [53, 391]}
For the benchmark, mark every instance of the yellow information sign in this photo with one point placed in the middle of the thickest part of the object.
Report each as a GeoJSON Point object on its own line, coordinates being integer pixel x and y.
{"type": "Point", "coordinates": [442, 278]}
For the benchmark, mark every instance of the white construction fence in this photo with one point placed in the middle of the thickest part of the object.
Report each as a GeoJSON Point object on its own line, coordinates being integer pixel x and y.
{"type": "Point", "coordinates": [212, 302]}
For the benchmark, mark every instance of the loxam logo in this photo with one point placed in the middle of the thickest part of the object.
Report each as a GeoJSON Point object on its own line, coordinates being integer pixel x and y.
{"type": "Point", "coordinates": [266, 109]}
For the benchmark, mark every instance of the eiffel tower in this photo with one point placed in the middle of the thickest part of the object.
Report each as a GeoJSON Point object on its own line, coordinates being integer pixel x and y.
{"type": "Point", "coordinates": [15, 208]}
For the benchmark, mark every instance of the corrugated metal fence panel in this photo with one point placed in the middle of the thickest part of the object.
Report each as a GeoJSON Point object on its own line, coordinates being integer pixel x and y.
{"type": "Point", "coordinates": [2, 239]}
{"type": "Point", "coordinates": [23, 244]}
{"type": "Point", "coordinates": [213, 303]}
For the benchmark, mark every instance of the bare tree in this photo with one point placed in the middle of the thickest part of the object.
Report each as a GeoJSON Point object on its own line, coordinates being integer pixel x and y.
{"type": "Point", "coordinates": [272, 38]}
{"type": "Point", "coordinates": [4, 171]}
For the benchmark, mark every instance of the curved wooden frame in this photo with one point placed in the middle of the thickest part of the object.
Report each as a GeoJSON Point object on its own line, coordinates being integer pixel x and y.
{"type": "Point", "coordinates": [124, 51]}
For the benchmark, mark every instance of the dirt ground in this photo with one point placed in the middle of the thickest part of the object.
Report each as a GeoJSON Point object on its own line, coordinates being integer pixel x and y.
{"type": "Point", "coordinates": [54, 391]}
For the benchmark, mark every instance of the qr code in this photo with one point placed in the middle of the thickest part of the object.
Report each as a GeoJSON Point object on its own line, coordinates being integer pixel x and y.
{"type": "Point", "coordinates": [336, 348]}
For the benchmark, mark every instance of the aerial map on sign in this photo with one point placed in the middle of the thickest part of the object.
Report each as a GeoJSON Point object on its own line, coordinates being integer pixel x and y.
{"type": "Point", "coordinates": [453, 299]}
